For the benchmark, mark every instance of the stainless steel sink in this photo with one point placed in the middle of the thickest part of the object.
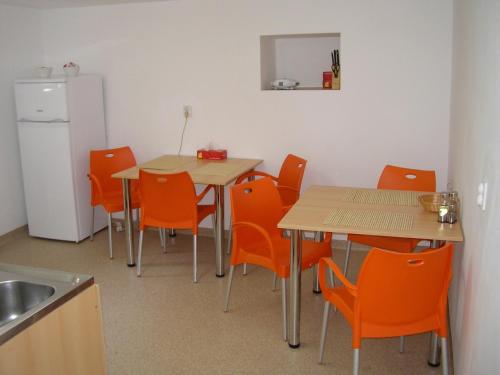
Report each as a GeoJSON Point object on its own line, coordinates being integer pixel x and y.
{"type": "Point", "coordinates": [18, 297]}
{"type": "Point", "coordinates": [28, 294]}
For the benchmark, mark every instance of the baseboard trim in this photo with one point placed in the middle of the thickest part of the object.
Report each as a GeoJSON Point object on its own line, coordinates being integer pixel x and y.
{"type": "Point", "coordinates": [13, 234]}
{"type": "Point", "coordinates": [208, 232]}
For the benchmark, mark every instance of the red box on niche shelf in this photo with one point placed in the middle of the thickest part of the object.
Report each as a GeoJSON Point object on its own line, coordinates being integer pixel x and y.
{"type": "Point", "coordinates": [327, 80]}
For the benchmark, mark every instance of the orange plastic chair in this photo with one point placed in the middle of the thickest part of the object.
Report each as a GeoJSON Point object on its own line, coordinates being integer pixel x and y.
{"type": "Point", "coordinates": [170, 201]}
{"type": "Point", "coordinates": [288, 181]}
{"type": "Point", "coordinates": [397, 294]}
{"type": "Point", "coordinates": [288, 184]}
{"type": "Point", "coordinates": [257, 209]}
{"type": "Point", "coordinates": [395, 178]}
{"type": "Point", "coordinates": [107, 191]}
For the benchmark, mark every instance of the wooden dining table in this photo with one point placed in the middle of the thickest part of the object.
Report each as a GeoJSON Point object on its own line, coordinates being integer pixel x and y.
{"type": "Point", "coordinates": [344, 210]}
{"type": "Point", "coordinates": [219, 173]}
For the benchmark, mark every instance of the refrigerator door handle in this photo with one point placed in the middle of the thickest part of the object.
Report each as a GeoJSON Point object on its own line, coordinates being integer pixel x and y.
{"type": "Point", "coordinates": [57, 120]}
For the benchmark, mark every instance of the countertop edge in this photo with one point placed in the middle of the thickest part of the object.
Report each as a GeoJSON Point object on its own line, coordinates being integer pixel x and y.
{"type": "Point", "coordinates": [6, 336]}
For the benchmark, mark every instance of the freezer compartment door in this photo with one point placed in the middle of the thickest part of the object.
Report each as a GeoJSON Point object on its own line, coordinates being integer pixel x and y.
{"type": "Point", "coordinates": [41, 102]}
{"type": "Point", "coordinates": [48, 181]}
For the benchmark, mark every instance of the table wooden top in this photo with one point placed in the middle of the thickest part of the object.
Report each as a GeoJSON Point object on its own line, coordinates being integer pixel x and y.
{"type": "Point", "coordinates": [346, 210]}
{"type": "Point", "coordinates": [216, 172]}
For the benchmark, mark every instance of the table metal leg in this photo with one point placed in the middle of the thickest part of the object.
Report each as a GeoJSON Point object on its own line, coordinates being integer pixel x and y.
{"type": "Point", "coordinates": [295, 276]}
{"type": "Point", "coordinates": [129, 228]}
{"type": "Point", "coordinates": [219, 230]}
{"type": "Point", "coordinates": [318, 237]}
{"type": "Point", "coordinates": [434, 355]}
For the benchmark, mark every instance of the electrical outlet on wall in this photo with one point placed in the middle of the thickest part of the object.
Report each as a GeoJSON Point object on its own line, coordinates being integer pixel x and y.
{"type": "Point", "coordinates": [187, 111]}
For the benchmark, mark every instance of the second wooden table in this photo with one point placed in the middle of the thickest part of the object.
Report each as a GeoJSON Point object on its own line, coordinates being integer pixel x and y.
{"type": "Point", "coordinates": [345, 210]}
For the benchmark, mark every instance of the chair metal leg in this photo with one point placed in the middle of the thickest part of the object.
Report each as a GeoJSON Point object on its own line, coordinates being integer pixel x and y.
{"type": "Point", "coordinates": [110, 236]}
{"type": "Point", "coordinates": [401, 344]}
{"type": "Point", "coordinates": [160, 232]}
{"type": "Point", "coordinates": [195, 258]}
{"type": "Point", "coordinates": [316, 287]}
{"type": "Point", "coordinates": [284, 307]}
{"type": "Point", "coordinates": [444, 355]}
{"type": "Point", "coordinates": [164, 235]}
{"type": "Point", "coordinates": [347, 253]}
{"type": "Point", "coordinates": [228, 290]}
{"type": "Point", "coordinates": [92, 224]}
{"type": "Point", "coordinates": [229, 236]}
{"type": "Point", "coordinates": [324, 328]}
{"type": "Point", "coordinates": [244, 269]}
{"type": "Point", "coordinates": [355, 362]}
{"type": "Point", "coordinates": [137, 216]}
{"type": "Point", "coordinates": [139, 253]}
{"type": "Point", "coordinates": [331, 278]}
{"type": "Point", "coordinates": [275, 279]}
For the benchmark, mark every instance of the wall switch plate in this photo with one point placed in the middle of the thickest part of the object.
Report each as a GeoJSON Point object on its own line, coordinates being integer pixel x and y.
{"type": "Point", "coordinates": [482, 195]}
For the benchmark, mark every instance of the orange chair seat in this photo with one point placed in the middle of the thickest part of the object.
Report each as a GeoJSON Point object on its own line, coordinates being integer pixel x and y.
{"type": "Point", "coordinates": [258, 253]}
{"type": "Point", "coordinates": [288, 196]}
{"type": "Point", "coordinates": [395, 295]}
{"type": "Point", "coordinates": [344, 301]}
{"type": "Point", "coordinates": [113, 201]}
{"type": "Point", "coordinates": [106, 190]}
{"type": "Point", "coordinates": [402, 245]}
{"type": "Point", "coordinates": [203, 211]}
{"type": "Point", "coordinates": [288, 181]}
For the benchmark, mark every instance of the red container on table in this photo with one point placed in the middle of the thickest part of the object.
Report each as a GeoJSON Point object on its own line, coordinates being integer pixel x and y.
{"type": "Point", "coordinates": [211, 154]}
{"type": "Point", "coordinates": [327, 80]}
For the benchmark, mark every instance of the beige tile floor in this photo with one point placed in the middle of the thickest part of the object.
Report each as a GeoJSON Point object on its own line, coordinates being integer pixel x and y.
{"type": "Point", "coordinates": [162, 323]}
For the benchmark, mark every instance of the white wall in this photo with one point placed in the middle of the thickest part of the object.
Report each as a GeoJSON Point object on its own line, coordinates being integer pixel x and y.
{"type": "Point", "coordinates": [155, 57]}
{"type": "Point", "coordinates": [475, 157]}
{"type": "Point", "coordinates": [20, 50]}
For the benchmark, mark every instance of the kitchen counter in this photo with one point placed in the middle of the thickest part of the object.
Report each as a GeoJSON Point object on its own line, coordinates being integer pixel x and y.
{"type": "Point", "coordinates": [28, 294]}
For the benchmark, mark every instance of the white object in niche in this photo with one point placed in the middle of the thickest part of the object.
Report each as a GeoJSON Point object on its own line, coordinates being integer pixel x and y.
{"type": "Point", "coordinates": [284, 84]}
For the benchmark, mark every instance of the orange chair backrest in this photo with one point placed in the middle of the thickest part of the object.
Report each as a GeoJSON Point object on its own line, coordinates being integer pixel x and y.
{"type": "Point", "coordinates": [396, 288]}
{"type": "Point", "coordinates": [167, 198]}
{"type": "Point", "coordinates": [291, 174]}
{"type": "Point", "coordinates": [398, 178]}
{"type": "Point", "coordinates": [104, 163]}
{"type": "Point", "coordinates": [257, 202]}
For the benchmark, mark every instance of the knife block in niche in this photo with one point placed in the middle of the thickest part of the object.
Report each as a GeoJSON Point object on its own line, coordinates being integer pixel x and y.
{"type": "Point", "coordinates": [336, 81]}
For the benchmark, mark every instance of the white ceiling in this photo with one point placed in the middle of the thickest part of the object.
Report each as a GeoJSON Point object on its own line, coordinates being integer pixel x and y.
{"type": "Point", "coordinates": [50, 4]}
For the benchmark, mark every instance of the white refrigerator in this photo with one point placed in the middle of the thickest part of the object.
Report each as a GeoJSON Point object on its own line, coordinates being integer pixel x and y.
{"type": "Point", "coordinates": [59, 121]}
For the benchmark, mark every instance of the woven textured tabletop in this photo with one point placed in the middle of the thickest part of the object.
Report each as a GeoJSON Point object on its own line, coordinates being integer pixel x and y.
{"type": "Point", "coordinates": [383, 197]}
{"type": "Point", "coordinates": [369, 219]}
